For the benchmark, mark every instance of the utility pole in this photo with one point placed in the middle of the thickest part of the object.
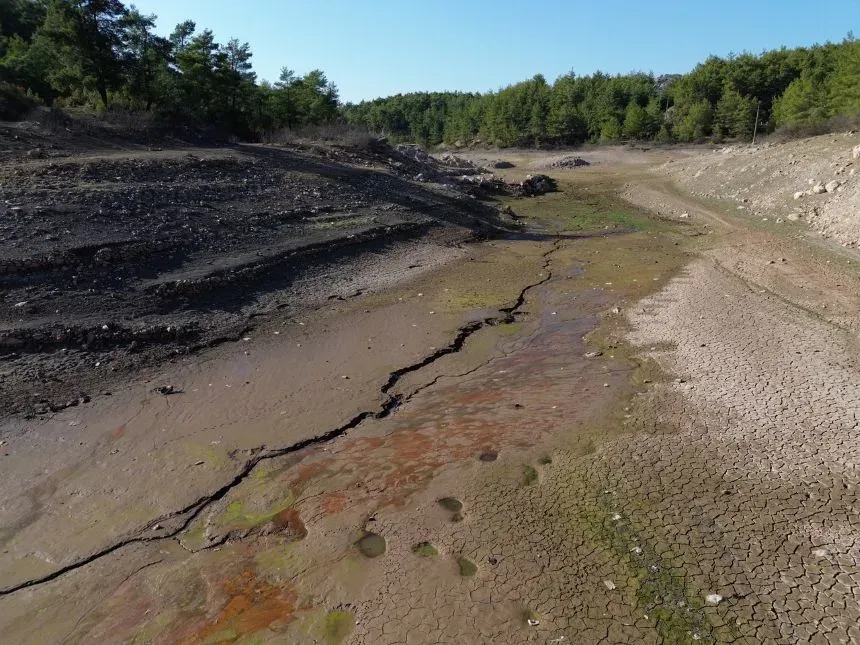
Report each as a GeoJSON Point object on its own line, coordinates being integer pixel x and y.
{"type": "Point", "coordinates": [755, 127]}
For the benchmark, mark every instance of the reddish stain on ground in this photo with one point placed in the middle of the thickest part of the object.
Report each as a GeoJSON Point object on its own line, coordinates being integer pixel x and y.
{"type": "Point", "coordinates": [251, 606]}
{"type": "Point", "coordinates": [335, 502]}
{"type": "Point", "coordinates": [290, 524]}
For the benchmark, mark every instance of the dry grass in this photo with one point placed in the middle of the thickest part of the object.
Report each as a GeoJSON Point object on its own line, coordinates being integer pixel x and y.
{"type": "Point", "coordinates": [839, 123]}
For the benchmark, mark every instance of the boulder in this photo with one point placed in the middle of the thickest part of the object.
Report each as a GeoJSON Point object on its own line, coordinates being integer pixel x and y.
{"type": "Point", "coordinates": [831, 186]}
{"type": "Point", "coordinates": [799, 194]}
{"type": "Point", "coordinates": [501, 164]}
{"type": "Point", "coordinates": [818, 189]}
{"type": "Point", "coordinates": [855, 153]}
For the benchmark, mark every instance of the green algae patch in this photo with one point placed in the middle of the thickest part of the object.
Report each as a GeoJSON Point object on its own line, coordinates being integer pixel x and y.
{"type": "Point", "coordinates": [224, 636]}
{"type": "Point", "coordinates": [672, 602]}
{"type": "Point", "coordinates": [530, 475]}
{"type": "Point", "coordinates": [237, 515]}
{"type": "Point", "coordinates": [467, 567]}
{"type": "Point", "coordinates": [509, 329]}
{"type": "Point", "coordinates": [338, 626]}
{"type": "Point", "coordinates": [577, 208]}
{"type": "Point", "coordinates": [425, 550]}
{"type": "Point", "coordinates": [469, 300]}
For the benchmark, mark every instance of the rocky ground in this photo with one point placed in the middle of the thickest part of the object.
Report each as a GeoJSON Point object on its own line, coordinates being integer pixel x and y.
{"type": "Point", "coordinates": [116, 259]}
{"type": "Point", "coordinates": [809, 180]}
{"type": "Point", "coordinates": [633, 422]}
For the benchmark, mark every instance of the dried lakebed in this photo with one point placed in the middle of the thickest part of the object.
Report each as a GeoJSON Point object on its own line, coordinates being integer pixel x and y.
{"type": "Point", "coordinates": [547, 454]}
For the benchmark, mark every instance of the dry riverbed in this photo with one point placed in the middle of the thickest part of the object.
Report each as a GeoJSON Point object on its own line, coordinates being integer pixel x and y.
{"type": "Point", "coordinates": [613, 427]}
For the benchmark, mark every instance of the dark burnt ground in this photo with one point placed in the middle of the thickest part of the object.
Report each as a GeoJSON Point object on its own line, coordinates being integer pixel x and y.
{"type": "Point", "coordinates": [123, 259]}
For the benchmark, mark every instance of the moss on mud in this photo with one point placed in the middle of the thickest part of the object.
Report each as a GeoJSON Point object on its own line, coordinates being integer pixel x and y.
{"type": "Point", "coordinates": [338, 626]}
{"type": "Point", "coordinates": [425, 550]}
{"type": "Point", "coordinates": [583, 208]}
{"type": "Point", "coordinates": [530, 475]}
{"type": "Point", "coordinates": [238, 516]}
{"type": "Point", "coordinates": [467, 567]}
{"type": "Point", "coordinates": [672, 602]}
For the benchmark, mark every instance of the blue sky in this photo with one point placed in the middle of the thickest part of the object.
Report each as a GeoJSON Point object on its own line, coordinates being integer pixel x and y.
{"type": "Point", "coordinates": [376, 48]}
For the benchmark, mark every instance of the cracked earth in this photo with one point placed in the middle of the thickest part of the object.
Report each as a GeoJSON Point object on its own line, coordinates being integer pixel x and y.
{"type": "Point", "coordinates": [640, 435]}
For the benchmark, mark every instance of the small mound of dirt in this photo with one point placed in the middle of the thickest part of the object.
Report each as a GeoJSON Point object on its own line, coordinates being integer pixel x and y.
{"type": "Point", "coordinates": [537, 185]}
{"type": "Point", "coordinates": [569, 162]}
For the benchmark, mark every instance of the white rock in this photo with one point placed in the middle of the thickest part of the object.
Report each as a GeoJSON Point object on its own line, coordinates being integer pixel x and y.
{"type": "Point", "coordinates": [831, 186]}
{"type": "Point", "coordinates": [684, 215]}
{"type": "Point", "coordinates": [819, 188]}
{"type": "Point", "coordinates": [855, 153]}
{"type": "Point", "coordinates": [609, 585]}
{"type": "Point", "coordinates": [713, 599]}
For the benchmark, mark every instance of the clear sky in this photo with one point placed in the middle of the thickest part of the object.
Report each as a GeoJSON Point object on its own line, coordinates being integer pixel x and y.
{"type": "Point", "coordinates": [373, 48]}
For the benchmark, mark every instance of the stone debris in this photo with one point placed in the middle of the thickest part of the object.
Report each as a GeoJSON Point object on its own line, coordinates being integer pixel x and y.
{"type": "Point", "coordinates": [609, 585]}
{"type": "Point", "coordinates": [713, 599]}
{"type": "Point", "coordinates": [569, 162]}
{"type": "Point", "coordinates": [537, 185]}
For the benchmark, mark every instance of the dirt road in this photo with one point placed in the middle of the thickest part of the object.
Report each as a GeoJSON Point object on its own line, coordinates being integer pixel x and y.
{"type": "Point", "coordinates": [616, 427]}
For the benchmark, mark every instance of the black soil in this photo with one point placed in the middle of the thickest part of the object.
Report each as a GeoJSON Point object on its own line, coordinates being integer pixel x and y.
{"type": "Point", "coordinates": [115, 260]}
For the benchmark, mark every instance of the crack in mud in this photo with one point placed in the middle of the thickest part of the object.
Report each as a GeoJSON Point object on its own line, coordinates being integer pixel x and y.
{"type": "Point", "coordinates": [392, 402]}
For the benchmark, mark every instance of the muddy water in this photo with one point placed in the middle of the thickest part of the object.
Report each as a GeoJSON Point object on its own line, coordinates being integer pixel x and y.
{"type": "Point", "coordinates": [293, 552]}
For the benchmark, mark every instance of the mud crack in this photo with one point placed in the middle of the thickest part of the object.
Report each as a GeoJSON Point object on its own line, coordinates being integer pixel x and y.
{"type": "Point", "coordinates": [192, 511]}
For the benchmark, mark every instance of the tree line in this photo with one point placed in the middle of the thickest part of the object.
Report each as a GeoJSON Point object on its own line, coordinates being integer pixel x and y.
{"type": "Point", "coordinates": [720, 98]}
{"type": "Point", "coordinates": [103, 54]}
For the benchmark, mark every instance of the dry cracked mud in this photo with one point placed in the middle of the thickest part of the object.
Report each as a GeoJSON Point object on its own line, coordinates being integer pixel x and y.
{"type": "Point", "coordinates": [615, 429]}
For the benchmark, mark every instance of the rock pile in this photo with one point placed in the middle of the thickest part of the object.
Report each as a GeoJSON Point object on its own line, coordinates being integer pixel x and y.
{"type": "Point", "coordinates": [569, 162]}
{"type": "Point", "coordinates": [537, 185]}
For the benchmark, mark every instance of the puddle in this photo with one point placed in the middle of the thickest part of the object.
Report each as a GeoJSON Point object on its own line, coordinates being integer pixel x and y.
{"type": "Point", "coordinates": [371, 545]}
{"type": "Point", "coordinates": [451, 504]}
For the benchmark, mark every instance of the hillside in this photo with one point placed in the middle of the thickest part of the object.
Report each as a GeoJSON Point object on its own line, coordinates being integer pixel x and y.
{"type": "Point", "coordinates": [809, 181]}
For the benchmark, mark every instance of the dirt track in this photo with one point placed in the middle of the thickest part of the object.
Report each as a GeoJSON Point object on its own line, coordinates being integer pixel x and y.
{"type": "Point", "coordinates": [688, 474]}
